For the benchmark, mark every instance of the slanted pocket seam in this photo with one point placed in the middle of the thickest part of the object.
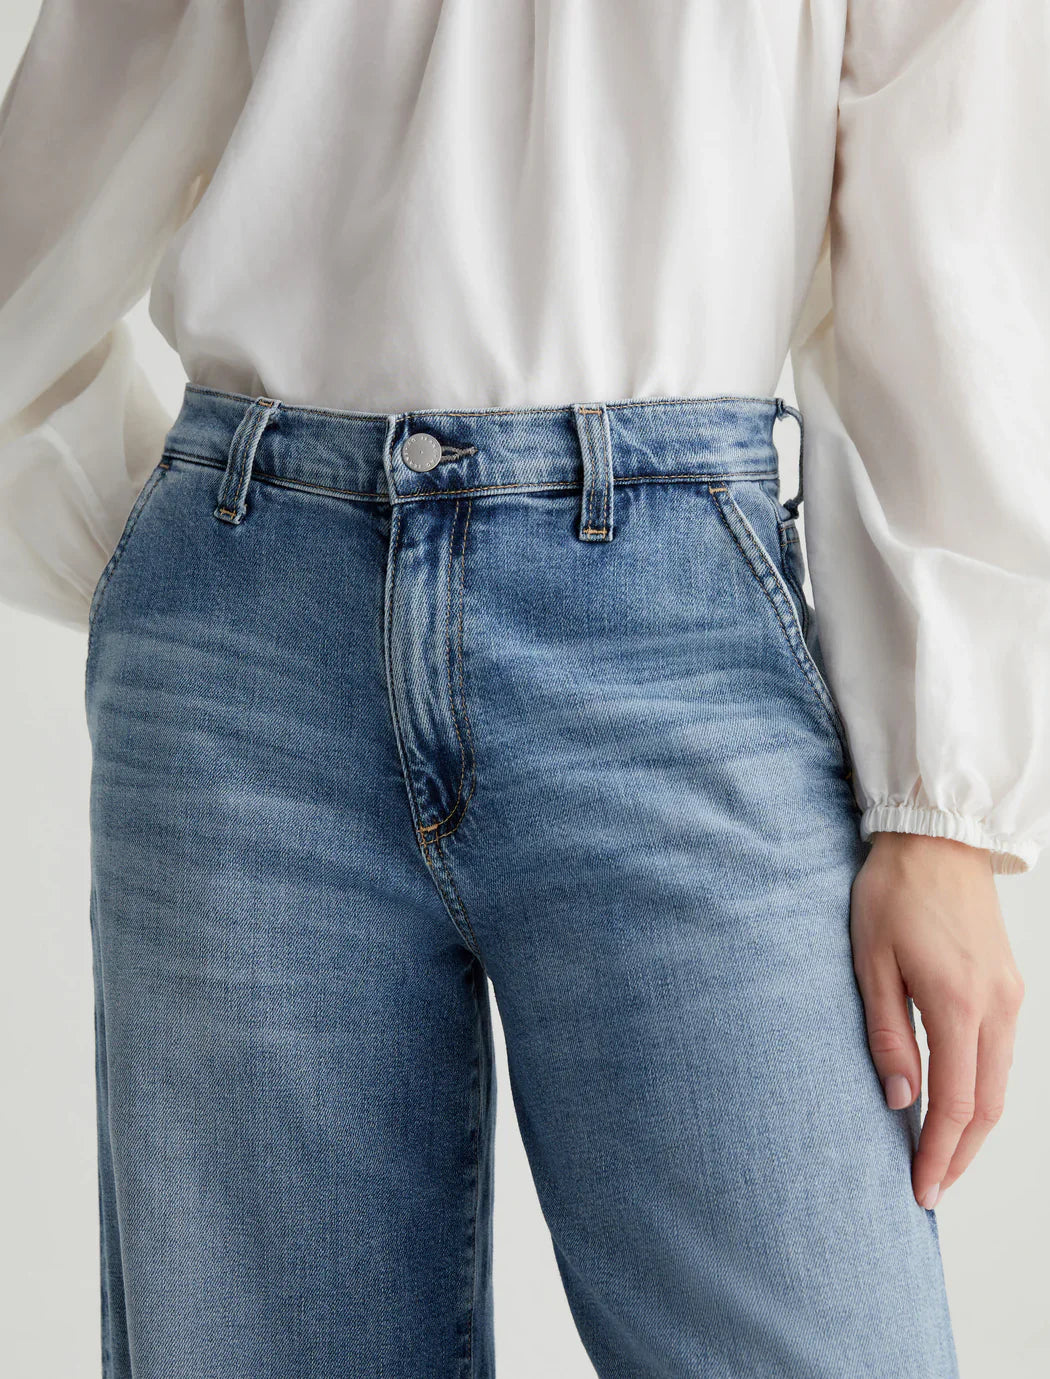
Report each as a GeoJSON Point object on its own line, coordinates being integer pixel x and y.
{"type": "Point", "coordinates": [138, 507]}
{"type": "Point", "coordinates": [772, 581]}
{"type": "Point", "coordinates": [791, 567]}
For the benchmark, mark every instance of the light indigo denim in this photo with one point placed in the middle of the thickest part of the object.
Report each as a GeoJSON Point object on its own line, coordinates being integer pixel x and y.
{"type": "Point", "coordinates": [550, 713]}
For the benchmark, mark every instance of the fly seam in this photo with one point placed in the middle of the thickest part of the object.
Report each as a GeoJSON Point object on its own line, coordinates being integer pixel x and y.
{"type": "Point", "coordinates": [431, 828]}
{"type": "Point", "coordinates": [398, 731]}
{"type": "Point", "coordinates": [463, 696]}
{"type": "Point", "coordinates": [448, 663]}
{"type": "Point", "coordinates": [462, 685]}
{"type": "Point", "coordinates": [427, 829]}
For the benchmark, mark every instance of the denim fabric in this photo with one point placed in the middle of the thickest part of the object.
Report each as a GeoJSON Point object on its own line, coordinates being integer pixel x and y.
{"type": "Point", "coordinates": [550, 713]}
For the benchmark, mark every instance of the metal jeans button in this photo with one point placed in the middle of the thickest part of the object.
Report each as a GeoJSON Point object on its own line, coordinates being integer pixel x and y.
{"type": "Point", "coordinates": [421, 451]}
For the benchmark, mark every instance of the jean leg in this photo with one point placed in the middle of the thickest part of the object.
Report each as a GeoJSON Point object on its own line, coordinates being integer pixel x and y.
{"type": "Point", "coordinates": [294, 1048]}
{"type": "Point", "coordinates": [658, 862]}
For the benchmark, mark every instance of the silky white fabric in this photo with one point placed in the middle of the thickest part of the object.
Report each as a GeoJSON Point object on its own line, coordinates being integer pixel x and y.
{"type": "Point", "coordinates": [418, 204]}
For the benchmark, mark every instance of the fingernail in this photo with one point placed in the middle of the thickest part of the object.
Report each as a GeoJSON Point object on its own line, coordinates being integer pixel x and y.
{"type": "Point", "coordinates": [932, 1194]}
{"type": "Point", "coordinates": [898, 1092]}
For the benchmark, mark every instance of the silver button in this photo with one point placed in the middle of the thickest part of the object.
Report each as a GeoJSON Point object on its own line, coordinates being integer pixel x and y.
{"type": "Point", "coordinates": [421, 451]}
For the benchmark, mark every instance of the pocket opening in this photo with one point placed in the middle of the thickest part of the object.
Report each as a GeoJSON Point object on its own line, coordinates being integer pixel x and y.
{"type": "Point", "coordinates": [141, 499]}
{"type": "Point", "coordinates": [781, 580]}
{"type": "Point", "coordinates": [793, 568]}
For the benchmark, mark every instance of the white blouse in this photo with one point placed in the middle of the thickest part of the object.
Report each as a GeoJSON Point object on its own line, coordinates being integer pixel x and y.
{"type": "Point", "coordinates": [419, 203]}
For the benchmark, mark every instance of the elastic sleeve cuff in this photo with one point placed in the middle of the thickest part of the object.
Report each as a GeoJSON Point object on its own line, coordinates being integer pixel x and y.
{"type": "Point", "coordinates": [1008, 856]}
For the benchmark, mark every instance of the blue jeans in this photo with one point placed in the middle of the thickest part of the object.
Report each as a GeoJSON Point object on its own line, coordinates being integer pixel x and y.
{"type": "Point", "coordinates": [386, 706]}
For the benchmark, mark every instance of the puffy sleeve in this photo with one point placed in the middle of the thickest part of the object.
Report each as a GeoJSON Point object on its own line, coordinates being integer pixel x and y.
{"type": "Point", "coordinates": [922, 368]}
{"type": "Point", "coordinates": [109, 133]}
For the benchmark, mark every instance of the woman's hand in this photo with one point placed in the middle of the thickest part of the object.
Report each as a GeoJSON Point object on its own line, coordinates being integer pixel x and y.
{"type": "Point", "coordinates": [925, 922]}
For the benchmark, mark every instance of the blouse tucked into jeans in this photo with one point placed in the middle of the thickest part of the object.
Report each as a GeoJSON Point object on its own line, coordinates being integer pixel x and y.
{"type": "Point", "coordinates": [464, 204]}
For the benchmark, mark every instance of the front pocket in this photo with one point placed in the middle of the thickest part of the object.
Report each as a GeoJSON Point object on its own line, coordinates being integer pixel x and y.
{"type": "Point", "coordinates": [152, 480]}
{"type": "Point", "coordinates": [782, 583]}
{"type": "Point", "coordinates": [793, 567]}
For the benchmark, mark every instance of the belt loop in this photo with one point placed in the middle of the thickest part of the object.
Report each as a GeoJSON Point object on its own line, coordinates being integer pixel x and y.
{"type": "Point", "coordinates": [232, 506]}
{"type": "Point", "coordinates": [784, 408]}
{"type": "Point", "coordinates": [596, 506]}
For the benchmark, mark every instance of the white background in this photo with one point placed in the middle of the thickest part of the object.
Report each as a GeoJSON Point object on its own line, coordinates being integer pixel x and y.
{"type": "Point", "coordinates": [994, 1223]}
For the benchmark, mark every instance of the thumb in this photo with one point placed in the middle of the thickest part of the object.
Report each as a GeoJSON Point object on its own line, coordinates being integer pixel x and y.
{"type": "Point", "coordinates": [894, 1049]}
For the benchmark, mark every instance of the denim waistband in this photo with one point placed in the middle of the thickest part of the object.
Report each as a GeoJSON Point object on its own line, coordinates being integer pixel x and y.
{"type": "Point", "coordinates": [360, 454]}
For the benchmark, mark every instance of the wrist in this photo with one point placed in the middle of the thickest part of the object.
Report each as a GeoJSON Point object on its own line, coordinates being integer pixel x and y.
{"type": "Point", "coordinates": [915, 846]}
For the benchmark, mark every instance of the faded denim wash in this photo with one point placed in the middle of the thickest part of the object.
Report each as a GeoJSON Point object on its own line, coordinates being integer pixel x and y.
{"type": "Point", "coordinates": [546, 709]}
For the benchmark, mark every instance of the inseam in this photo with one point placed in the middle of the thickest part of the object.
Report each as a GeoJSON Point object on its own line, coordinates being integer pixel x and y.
{"type": "Point", "coordinates": [476, 975]}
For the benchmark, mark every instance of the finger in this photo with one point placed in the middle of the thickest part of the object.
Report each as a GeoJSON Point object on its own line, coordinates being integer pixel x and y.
{"type": "Point", "coordinates": [952, 1031]}
{"type": "Point", "coordinates": [995, 1051]}
{"type": "Point", "coordinates": [894, 1049]}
